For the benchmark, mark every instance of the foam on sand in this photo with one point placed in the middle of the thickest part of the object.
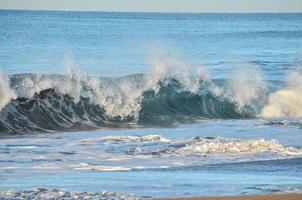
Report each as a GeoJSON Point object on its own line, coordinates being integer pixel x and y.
{"type": "Point", "coordinates": [44, 193]}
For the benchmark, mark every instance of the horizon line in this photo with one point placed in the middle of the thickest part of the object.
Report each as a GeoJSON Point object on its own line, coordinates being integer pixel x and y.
{"type": "Point", "coordinates": [167, 12]}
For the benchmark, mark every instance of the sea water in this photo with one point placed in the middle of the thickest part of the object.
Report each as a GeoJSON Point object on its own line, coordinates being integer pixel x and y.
{"type": "Point", "coordinates": [151, 104]}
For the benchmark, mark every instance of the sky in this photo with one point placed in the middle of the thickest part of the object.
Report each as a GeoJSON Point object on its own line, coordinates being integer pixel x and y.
{"type": "Point", "coordinates": [157, 5]}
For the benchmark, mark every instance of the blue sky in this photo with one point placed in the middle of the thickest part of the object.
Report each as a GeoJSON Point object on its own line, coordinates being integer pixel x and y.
{"type": "Point", "coordinates": [158, 5]}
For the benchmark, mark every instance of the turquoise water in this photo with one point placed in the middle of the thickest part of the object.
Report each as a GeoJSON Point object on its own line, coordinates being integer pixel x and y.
{"type": "Point", "coordinates": [152, 104]}
{"type": "Point", "coordinates": [115, 44]}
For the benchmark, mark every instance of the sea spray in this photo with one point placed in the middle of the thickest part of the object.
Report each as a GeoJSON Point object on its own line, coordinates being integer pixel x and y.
{"type": "Point", "coordinates": [246, 86]}
{"type": "Point", "coordinates": [6, 94]}
{"type": "Point", "coordinates": [286, 102]}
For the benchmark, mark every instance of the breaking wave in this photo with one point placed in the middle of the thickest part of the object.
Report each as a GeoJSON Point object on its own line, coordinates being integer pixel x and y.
{"type": "Point", "coordinates": [183, 152]}
{"type": "Point", "coordinates": [219, 145]}
{"type": "Point", "coordinates": [42, 103]}
{"type": "Point", "coordinates": [199, 145]}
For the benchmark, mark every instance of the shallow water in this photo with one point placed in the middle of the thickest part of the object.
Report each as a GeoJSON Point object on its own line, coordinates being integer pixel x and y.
{"type": "Point", "coordinates": [101, 160]}
{"type": "Point", "coordinates": [161, 105]}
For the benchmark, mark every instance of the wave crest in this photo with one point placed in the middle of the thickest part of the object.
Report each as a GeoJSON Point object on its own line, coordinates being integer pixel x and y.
{"type": "Point", "coordinates": [76, 102]}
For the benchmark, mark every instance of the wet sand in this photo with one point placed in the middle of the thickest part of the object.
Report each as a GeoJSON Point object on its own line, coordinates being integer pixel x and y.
{"type": "Point", "coordinates": [254, 197]}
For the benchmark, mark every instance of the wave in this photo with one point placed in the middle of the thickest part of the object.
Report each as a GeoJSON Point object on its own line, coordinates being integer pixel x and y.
{"type": "Point", "coordinates": [139, 139]}
{"type": "Point", "coordinates": [277, 189]}
{"type": "Point", "coordinates": [42, 103]}
{"type": "Point", "coordinates": [182, 152]}
{"type": "Point", "coordinates": [46, 193]}
{"type": "Point", "coordinates": [225, 146]}
{"type": "Point", "coordinates": [198, 146]}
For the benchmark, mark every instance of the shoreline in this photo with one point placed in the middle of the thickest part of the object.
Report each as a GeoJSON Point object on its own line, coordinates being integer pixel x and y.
{"type": "Point", "coordinates": [45, 193]}
{"type": "Point", "coordinates": [248, 197]}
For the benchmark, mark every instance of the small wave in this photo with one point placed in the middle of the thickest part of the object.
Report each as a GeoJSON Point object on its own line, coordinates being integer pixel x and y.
{"type": "Point", "coordinates": [278, 189]}
{"type": "Point", "coordinates": [86, 166]}
{"type": "Point", "coordinates": [204, 146]}
{"type": "Point", "coordinates": [157, 152]}
{"type": "Point", "coordinates": [203, 149]}
{"type": "Point", "coordinates": [127, 139]}
{"type": "Point", "coordinates": [45, 193]}
{"type": "Point", "coordinates": [148, 152]}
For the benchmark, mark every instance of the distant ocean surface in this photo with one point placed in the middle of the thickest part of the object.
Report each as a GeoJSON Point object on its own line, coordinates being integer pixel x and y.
{"type": "Point", "coordinates": [151, 104]}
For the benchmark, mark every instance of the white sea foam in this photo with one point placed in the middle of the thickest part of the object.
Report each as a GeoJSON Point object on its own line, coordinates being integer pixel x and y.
{"type": "Point", "coordinates": [286, 102]}
{"type": "Point", "coordinates": [6, 93]}
{"type": "Point", "coordinates": [201, 146]}
{"type": "Point", "coordinates": [233, 147]}
{"type": "Point", "coordinates": [127, 139]}
{"type": "Point", "coordinates": [85, 166]}
{"type": "Point", "coordinates": [45, 193]}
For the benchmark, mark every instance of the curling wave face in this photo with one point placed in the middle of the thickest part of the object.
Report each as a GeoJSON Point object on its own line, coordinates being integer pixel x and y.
{"type": "Point", "coordinates": [42, 103]}
{"type": "Point", "coordinates": [54, 102]}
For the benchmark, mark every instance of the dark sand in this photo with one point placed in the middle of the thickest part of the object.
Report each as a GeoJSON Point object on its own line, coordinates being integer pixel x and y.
{"type": "Point", "coordinates": [254, 197]}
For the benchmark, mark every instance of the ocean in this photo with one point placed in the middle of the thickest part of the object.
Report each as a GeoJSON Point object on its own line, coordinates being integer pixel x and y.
{"type": "Point", "coordinates": [151, 104]}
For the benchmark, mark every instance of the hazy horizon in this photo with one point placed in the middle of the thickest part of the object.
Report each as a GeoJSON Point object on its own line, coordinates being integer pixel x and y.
{"type": "Point", "coordinates": [129, 11]}
{"type": "Point", "coordinates": [194, 6]}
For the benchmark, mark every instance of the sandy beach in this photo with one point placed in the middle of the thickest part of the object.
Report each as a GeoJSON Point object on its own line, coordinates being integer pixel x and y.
{"type": "Point", "coordinates": [254, 197]}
